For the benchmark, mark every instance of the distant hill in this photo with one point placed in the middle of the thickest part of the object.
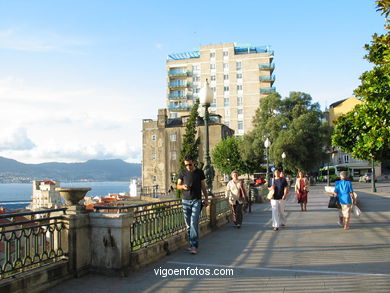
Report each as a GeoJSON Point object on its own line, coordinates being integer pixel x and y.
{"type": "Point", "coordinates": [92, 170]}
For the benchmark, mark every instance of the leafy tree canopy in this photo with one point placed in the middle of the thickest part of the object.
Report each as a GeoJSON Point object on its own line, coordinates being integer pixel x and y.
{"type": "Point", "coordinates": [226, 156]}
{"type": "Point", "coordinates": [294, 126]}
{"type": "Point", "coordinates": [365, 131]}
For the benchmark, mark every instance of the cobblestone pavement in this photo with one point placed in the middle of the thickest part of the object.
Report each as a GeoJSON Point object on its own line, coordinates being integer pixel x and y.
{"type": "Point", "coordinates": [312, 254]}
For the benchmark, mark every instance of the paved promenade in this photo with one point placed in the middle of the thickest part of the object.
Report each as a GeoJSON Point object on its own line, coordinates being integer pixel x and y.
{"type": "Point", "coordinates": [312, 254]}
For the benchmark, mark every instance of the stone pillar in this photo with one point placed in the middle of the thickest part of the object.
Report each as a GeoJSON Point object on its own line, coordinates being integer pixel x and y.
{"type": "Point", "coordinates": [110, 235]}
{"type": "Point", "coordinates": [77, 235]}
{"type": "Point", "coordinates": [212, 212]}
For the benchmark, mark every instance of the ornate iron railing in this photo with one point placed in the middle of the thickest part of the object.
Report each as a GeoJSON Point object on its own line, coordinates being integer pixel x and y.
{"type": "Point", "coordinates": [221, 204]}
{"type": "Point", "coordinates": [154, 221]}
{"type": "Point", "coordinates": [31, 239]}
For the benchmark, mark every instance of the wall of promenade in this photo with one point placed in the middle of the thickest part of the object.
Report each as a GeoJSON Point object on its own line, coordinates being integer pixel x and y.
{"type": "Point", "coordinates": [43, 249]}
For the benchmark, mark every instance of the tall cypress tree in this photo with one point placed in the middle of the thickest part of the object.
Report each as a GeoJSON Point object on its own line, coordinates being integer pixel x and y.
{"type": "Point", "coordinates": [190, 143]}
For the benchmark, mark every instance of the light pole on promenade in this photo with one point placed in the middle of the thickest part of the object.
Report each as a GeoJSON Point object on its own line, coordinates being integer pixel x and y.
{"type": "Point", "coordinates": [267, 144]}
{"type": "Point", "coordinates": [283, 157]}
{"type": "Point", "coordinates": [206, 98]}
{"type": "Point", "coordinates": [373, 187]}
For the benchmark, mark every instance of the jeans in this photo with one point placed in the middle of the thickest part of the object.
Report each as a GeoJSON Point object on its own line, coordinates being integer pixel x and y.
{"type": "Point", "coordinates": [191, 210]}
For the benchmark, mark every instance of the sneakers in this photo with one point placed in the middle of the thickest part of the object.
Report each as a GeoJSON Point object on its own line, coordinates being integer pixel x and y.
{"type": "Point", "coordinates": [193, 250]}
{"type": "Point", "coordinates": [340, 225]}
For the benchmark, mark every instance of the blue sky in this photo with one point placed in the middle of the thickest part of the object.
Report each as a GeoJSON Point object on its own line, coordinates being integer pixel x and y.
{"type": "Point", "coordinates": [78, 77]}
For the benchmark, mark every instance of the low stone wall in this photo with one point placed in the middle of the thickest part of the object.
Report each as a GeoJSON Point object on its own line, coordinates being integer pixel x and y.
{"type": "Point", "coordinates": [37, 280]}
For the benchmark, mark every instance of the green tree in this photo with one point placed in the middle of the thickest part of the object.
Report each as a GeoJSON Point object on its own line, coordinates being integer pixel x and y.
{"type": "Point", "coordinates": [226, 156]}
{"type": "Point", "coordinates": [294, 126]}
{"type": "Point", "coordinates": [365, 131]}
{"type": "Point", "coordinates": [190, 143]}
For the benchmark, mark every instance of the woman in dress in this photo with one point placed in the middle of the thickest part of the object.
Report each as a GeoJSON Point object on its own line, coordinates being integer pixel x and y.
{"type": "Point", "coordinates": [235, 191]}
{"type": "Point", "coordinates": [302, 189]}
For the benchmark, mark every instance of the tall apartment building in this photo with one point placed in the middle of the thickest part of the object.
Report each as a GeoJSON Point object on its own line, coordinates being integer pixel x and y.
{"type": "Point", "coordinates": [239, 75]}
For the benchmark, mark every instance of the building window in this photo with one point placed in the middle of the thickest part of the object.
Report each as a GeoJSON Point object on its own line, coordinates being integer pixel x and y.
{"type": "Point", "coordinates": [212, 55]}
{"type": "Point", "coordinates": [239, 111]}
{"type": "Point", "coordinates": [225, 53]}
{"type": "Point", "coordinates": [239, 75]}
{"type": "Point", "coordinates": [240, 125]}
{"type": "Point", "coordinates": [172, 137]}
{"type": "Point", "coordinates": [173, 155]}
{"type": "Point", "coordinates": [238, 65]}
{"type": "Point", "coordinates": [227, 113]}
{"type": "Point", "coordinates": [153, 156]}
{"type": "Point", "coordinates": [214, 89]}
{"type": "Point", "coordinates": [154, 137]}
{"type": "Point", "coordinates": [196, 78]}
{"type": "Point", "coordinates": [195, 68]}
{"type": "Point", "coordinates": [225, 65]}
{"type": "Point", "coordinates": [346, 159]}
{"type": "Point", "coordinates": [226, 77]}
{"type": "Point", "coordinates": [239, 101]}
{"type": "Point", "coordinates": [212, 78]}
{"type": "Point", "coordinates": [154, 178]}
{"type": "Point", "coordinates": [239, 87]}
{"type": "Point", "coordinates": [212, 66]}
{"type": "Point", "coordinates": [225, 88]}
{"type": "Point", "coordinates": [226, 102]}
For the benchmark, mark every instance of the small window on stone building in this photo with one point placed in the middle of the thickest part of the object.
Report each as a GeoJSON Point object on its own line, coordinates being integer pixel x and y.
{"type": "Point", "coordinates": [154, 137]}
{"type": "Point", "coordinates": [173, 137]}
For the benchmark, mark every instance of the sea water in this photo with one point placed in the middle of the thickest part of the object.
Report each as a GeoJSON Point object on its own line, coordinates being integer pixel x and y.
{"type": "Point", "coordinates": [18, 195]}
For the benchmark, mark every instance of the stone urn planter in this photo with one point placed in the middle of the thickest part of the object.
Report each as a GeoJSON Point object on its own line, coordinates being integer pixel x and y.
{"type": "Point", "coordinates": [73, 195]}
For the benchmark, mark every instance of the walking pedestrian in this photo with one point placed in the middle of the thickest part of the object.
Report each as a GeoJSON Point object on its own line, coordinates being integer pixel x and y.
{"type": "Point", "coordinates": [192, 182]}
{"type": "Point", "coordinates": [343, 189]}
{"type": "Point", "coordinates": [279, 184]}
{"type": "Point", "coordinates": [236, 194]}
{"type": "Point", "coordinates": [302, 189]}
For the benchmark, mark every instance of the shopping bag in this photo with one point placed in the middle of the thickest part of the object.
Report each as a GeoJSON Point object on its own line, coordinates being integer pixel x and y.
{"type": "Point", "coordinates": [334, 203]}
{"type": "Point", "coordinates": [270, 194]}
{"type": "Point", "coordinates": [356, 211]}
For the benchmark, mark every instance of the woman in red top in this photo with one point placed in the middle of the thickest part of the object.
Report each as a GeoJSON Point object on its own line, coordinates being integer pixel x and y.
{"type": "Point", "coordinates": [301, 189]}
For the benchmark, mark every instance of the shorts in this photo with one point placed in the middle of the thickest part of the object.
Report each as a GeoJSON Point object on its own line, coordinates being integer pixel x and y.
{"type": "Point", "coordinates": [345, 210]}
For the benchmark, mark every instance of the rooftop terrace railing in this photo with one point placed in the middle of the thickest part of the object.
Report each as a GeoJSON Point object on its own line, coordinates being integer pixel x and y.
{"type": "Point", "coordinates": [31, 239]}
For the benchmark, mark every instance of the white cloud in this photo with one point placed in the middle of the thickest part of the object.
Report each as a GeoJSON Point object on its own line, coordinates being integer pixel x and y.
{"type": "Point", "coordinates": [68, 126]}
{"type": "Point", "coordinates": [16, 139]}
{"type": "Point", "coordinates": [42, 41]}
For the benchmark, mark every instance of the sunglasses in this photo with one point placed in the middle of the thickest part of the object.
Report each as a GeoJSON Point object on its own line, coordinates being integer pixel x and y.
{"type": "Point", "coordinates": [188, 165]}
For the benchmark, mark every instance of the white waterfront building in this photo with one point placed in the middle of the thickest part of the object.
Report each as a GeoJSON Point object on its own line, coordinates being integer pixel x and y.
{"type": "Point", "coordinates": [44, 195]}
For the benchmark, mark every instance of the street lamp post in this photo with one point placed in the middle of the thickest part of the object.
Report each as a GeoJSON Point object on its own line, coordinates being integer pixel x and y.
{"type": "Point", "coordinates": [267, 144]}
{"type": "Point", "coordinates": [283, 157]}
{"type": "Point", "coordinates": [206, 98]}
{"type": "Point", "coordinates": [373, 187]}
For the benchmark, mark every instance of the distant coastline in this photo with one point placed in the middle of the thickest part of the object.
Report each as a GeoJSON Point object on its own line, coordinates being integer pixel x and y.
{"type": "Point", "coordinates": [12, 171]}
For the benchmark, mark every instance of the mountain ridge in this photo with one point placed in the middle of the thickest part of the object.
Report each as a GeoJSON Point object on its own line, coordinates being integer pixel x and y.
{"type": "Point", "coordinates": [92, 170]}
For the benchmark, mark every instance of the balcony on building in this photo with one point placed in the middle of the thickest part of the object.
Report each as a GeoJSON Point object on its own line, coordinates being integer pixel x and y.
{"type": "Point", "coordinates": [177, 96]}
{"type": "Point", "coordinates": [179, 72]}
{"type": "Point", "coordinates": [248, 49]}
{"type": "Point", "coordinates": [267, 66]}
{"type": "Point", "coordinates": [267, 90]}
{"type": "Point", "coordinates": [178, 84]}
{"type": "Point", "coordinates": [270, 78]}
{"type": "Point", "coordinates": [182, 107]}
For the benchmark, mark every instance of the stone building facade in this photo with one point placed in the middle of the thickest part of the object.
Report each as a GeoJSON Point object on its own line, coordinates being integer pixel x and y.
{"type": "Point", "coordinates": [239, 75]}
{"type": "Point", "coordinates": [161, 143]}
